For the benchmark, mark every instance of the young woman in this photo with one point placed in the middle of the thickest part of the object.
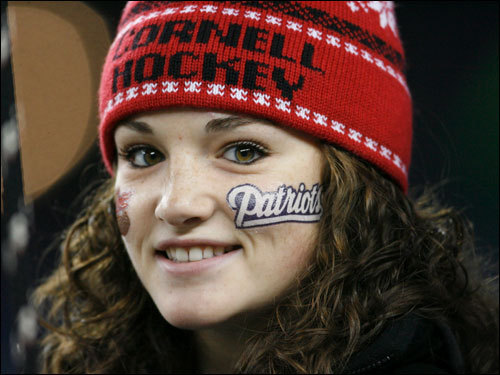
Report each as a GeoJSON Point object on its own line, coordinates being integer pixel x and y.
{"type": "Point", "coordinates": [256, 218]}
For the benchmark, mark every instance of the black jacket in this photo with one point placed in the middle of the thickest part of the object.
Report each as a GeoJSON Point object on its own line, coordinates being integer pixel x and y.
{"type": "Point", "coordinates": [410, 346]}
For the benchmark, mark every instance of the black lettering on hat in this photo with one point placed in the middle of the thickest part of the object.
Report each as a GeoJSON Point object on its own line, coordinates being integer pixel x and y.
{"type": "Point", "coordinates": [282, 84]}
{"type": "Point", "coordinates": [251, 37]}
{"type": "Point", "coordinates": [251, 74]}
{"type": "Point", "coordinates": [126, 73]}
{"type": "Point", "coordinates": [307, 57]}
{"type": "Point", "coordinates": [185, 34]}
{"type": "Point", "coordinates": [157, 66]}
{"type": "Point", "coordinates": [175, 65]}
{"type": "Point", "coordinates": [277, 48]}
{"type": "Point", "coordinates": [152, 31]}
{"type": "Point", "coordinates": [230, 39]}
{"type": "Point", "coordinates": [210, 66]}
{"type": "Point", "coordinates": [117, 55]}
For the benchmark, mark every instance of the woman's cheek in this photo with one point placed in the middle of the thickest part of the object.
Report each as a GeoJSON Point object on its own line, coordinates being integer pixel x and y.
{"type": "Point", "coordinates": [122, 200]}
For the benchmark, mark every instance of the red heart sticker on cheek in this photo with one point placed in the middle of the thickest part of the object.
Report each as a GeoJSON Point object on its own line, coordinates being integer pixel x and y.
{"type": "Point", "coordinates": [122, 218]}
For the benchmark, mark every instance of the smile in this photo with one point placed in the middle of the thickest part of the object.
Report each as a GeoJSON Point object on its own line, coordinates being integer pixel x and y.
{"type": "Point", "coordinates": [195, 253]}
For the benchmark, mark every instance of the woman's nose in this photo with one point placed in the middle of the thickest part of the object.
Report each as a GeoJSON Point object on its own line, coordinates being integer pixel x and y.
{"type": "Point", "coordinates": [185, 201]}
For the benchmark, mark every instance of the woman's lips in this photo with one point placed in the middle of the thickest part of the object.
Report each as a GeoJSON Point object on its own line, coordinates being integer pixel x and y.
{"type": "Point", "coordinates": [196, 253]}
{"type": "Point", "coordinates": [189, 268]}
{"type": "Point", "coordinates": [191, 242]}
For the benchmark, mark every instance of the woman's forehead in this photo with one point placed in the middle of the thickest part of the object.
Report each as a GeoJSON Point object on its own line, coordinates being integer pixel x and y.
{"type": "Point", "coordinates": [212, 121]}
{"type": "Point", "coordinates": [194, 113]}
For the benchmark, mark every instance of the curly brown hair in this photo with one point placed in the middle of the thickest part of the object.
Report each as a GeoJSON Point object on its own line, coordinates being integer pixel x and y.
{"type": "Point", "coordinates": [379, 256]}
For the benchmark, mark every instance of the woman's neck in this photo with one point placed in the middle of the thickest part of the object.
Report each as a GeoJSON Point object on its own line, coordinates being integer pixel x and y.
{"type": "Point", "coordinates": [219, 349]}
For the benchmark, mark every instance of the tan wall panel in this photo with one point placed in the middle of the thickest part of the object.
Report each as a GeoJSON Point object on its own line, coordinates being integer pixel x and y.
{"type": "Point", "coordinates": [58, 49]}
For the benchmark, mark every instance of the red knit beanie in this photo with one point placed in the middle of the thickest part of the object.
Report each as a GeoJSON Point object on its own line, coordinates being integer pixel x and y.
{"type": "Point", "coordinates": [331, 69]}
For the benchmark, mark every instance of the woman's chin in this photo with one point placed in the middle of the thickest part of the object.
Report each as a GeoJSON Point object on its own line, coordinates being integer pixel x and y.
{"type": "Point", "coordinates": [194, 320]}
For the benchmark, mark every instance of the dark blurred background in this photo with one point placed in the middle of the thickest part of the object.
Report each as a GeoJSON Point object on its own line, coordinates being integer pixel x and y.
{"type": "Point", "coordinates": [452, 56]}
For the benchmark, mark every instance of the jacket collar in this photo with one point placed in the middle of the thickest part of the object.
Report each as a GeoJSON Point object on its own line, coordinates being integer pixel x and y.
{"type": "Point", "coordinates": [407, 341]}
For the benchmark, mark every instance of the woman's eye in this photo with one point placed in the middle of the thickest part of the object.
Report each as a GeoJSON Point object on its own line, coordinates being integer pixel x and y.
{"type": "Point", "coordinates": [142, 157]}
{"type": "Point", "coordinates": [244, 152]}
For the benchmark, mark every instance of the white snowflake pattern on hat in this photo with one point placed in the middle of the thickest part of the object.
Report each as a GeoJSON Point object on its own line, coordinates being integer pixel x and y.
{"type": "Point", "coordinates": [384, 8]}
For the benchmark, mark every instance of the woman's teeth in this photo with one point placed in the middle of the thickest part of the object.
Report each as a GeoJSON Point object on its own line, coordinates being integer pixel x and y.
{"type": "Point", "coordinates": [195, 253]}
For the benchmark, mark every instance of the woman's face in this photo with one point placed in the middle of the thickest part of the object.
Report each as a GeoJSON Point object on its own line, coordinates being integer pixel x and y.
{"type": "Point", "coordinates": [173, 177]}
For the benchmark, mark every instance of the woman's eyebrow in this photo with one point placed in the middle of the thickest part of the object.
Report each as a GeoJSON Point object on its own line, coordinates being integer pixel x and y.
{"type": "Point", "coordinates": [213, 126]}
{"type": "Point", "coordinates": [138, 126]}
{"type": "Point", "coordinates": [227, 123]}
